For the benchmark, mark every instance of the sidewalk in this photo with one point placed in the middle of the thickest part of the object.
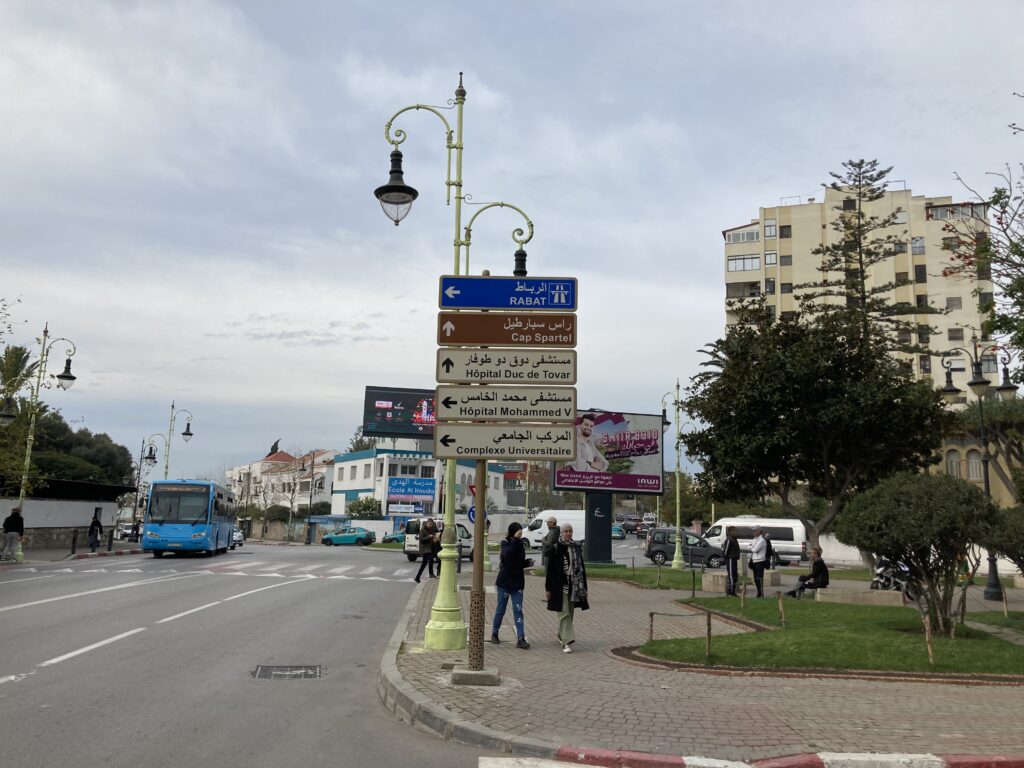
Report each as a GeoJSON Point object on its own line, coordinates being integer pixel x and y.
{"type": "Point", "coordinates": [591, 706]}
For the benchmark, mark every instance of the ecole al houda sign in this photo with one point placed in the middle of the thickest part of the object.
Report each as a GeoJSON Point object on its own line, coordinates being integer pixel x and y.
{"type": "Point", "coordinates": [519, 331]}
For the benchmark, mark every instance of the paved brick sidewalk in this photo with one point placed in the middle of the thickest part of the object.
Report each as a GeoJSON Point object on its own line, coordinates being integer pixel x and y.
{"type": "Point", "coordinates": [591, 699]}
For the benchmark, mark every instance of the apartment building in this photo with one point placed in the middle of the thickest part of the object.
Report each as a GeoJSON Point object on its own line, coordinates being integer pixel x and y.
{"type": "Point", "coordinates": [772, 254]}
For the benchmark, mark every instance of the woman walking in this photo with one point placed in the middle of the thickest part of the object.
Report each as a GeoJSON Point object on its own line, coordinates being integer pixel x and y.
{"type": "Point", "coordinates": [731, 555]}
{"type": "Point", "coordinates": [510, 583]}
{"type": "Point", "coordinates": [566, 583]}
{"type": "Point", "coordinates": [428, 538]}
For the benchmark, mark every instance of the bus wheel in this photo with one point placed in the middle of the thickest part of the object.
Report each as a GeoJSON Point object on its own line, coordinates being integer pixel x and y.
{"type": "Point", "coordinates": [157, 553]}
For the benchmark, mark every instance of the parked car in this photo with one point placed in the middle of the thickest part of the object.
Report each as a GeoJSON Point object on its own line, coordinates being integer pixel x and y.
{"type": "Point", "coordinates": [237, 538]}
{"type": "Point", "coordinates": [789, 538]}
{"type": "Point", "coordinates": [124, 531]}
{"type": "Point", "coordinates": [359, 536]}
{"type": "Point", "coordinates": [618, 532]}
{"type": "Point", "coordinates": [463, 532]}
{"type": "Point", "coordinates": [661, 547]}
{"type": "Point", "coordinates": [390, 536]}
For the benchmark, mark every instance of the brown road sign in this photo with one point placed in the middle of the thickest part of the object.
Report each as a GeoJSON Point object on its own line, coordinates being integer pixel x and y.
{"type": "Point", "coordinates": [506, 329]}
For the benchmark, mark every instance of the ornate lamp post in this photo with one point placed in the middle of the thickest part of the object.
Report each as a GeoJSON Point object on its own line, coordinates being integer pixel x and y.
{"type": "Point", "coordinates": [65, 380]}
{"type": "Point", "coordinates": [312, 479]}
{"type": "Point", "coordinates": [446, 629]}
{"type": "Point", "coordinates": [677, 558]}
{"type": "Point", "coordinates": [186, 435]}
{"type": "Point", "coordinates": [979, 385]}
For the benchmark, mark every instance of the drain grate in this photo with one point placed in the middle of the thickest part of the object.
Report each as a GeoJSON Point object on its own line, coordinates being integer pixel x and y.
{"type": "Point", "coordinates": [303, 672]}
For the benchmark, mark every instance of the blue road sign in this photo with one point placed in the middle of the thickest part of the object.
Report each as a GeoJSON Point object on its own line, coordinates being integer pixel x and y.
{"type": "Point", "coordinates": [551, 294]}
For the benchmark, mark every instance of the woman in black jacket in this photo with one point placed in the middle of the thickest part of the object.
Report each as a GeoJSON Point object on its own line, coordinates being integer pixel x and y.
{"type": "Point", "coordinates": [566, 584]}
{"type": "Point", "coordinates": [731, 556]}
{"type": "Point", "coordinates": [510, 583]}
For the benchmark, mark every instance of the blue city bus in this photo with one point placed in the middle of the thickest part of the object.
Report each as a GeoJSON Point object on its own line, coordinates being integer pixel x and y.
{"type": "Point", "coordinates": [188, 516]}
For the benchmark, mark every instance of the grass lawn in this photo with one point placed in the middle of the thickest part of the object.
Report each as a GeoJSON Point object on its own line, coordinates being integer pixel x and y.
{"type": "Point", "coordinates": [644, 577]}
{"type": "Point", "coordinates": [1014, 621]}
{"type": "Point", "coordinates": [829, 635]}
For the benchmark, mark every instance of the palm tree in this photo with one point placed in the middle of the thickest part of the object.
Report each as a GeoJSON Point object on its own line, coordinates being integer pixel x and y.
{"type": "Point", "coordinates": [16, 369]}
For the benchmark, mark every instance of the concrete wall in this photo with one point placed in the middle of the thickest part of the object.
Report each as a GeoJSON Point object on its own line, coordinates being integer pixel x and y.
{"type": "Point", "coordinates": [50, 523]}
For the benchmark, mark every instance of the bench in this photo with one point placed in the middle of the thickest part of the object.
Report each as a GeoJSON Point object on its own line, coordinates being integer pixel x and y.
{"type": "Point", "coordinates": [863, 596]}
{"type": "Point", "coordinates": [716, 581]}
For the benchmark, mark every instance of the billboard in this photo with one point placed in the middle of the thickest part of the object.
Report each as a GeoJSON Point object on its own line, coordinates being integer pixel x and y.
{"type": "Point", "coordinates": [411, 488]}
{"type": "Point", "coordinates": [399, 412]}
{"type": "Point", "coordinates": [615, 452]}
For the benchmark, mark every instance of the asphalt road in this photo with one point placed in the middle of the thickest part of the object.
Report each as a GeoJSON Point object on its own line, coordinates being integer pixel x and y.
{"type": "Point", "coordinates": [135, 661]}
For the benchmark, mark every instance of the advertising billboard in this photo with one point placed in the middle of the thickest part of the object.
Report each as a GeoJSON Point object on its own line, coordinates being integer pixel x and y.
{"type": "Point", "coordinates": [399, 412]}
{"type": "Point", "coordinates": [615, 452]}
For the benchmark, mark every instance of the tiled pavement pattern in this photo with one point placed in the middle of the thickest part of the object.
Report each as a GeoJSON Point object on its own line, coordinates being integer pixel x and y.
{"type": "Point", "coordinates": [591, 699]}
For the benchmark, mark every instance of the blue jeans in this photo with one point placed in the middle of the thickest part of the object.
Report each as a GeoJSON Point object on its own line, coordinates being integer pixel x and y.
{"type": "Point", "coordinates": [517, 611]}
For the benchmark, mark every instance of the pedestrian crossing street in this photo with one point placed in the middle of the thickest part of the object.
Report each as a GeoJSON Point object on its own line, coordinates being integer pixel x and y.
{"type": "Point", "coordinates": [264, 569]}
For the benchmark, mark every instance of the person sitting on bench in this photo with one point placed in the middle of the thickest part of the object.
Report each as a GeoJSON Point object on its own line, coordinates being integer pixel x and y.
{"type": "Point", "coordinates": [816, 579]}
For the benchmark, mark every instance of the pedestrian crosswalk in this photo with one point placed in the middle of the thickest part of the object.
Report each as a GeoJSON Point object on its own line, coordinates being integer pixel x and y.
{"type": "Point", "coordinates": [258, 568]}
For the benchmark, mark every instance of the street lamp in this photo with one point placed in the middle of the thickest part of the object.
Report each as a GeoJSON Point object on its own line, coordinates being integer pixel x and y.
{"type": "Point", "coordinates": [65, 380]}
{"type": "Point", "coordinates": [446, 629]}
{"type": "Point", "coordinates": [677, 558]}
{"type": "Point", "coordinates": [186, 435]}
{"type": "Point", "coordinates": [312, 479]}
{"type": "Point", "coordinates": [979, 385]}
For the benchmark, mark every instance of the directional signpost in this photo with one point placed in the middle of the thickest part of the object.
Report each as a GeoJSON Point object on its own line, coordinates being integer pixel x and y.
{"type": "Point", "coordinates": [553, 294]}
{"type": "Point", "coordinates": [554, 404]}
{"type": "Point", "coordinates": [510, 366]}
{"type": "Point", "coordinates": [505, 441]}
{"type": "Point", "coordinates": [506, 329]}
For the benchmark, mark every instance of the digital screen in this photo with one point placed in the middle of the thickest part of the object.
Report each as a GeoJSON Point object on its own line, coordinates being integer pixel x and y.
{"type": "Point", "coordinates": [398, 412]}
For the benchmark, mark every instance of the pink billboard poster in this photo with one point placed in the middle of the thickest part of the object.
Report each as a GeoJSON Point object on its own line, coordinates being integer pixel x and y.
{"type": "Point", "coordinates": [614, 452]}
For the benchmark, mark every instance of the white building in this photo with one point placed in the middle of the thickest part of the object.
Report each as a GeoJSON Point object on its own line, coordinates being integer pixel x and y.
{"type": "Point", "coordinates": [286, 480]}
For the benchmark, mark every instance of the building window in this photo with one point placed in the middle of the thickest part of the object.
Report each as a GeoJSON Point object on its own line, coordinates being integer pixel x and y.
{"type": "Point", "coordinates": [950, 243]}
{"type": "Point", "coordinates": [902, 278]}
{"type": "Point", "coordinates": [962, 211]}
{"type": "Point", "coordinates": [392, 470]}
{"type": "Point", "coordinates": [923, 335]}
{"type": "Point", "coordinates": [750, 236]}
{"type": "Point", "coordinates": [769, 286]}
{"type": "Point", "coordinates": [341, 474]}
{"type": "Point", "coordinates": [989, 364]}
{"type": "Point", "coordinates": [917, 246]}
{"type": "Point", "coordinates": [426, 471]}
{"type": "Point", "coordinates": [954, 302]}
{"type": "Point", "coordinates": [742, 290]}
{"type": "Point", "coordinates": [952, 463]}
{"type": "Point", "coordinates": [899, 247]}
{"type": "Point", "coordinates": [973, 465]}
{"type": "Point", "coordinates": [769, 228]}
{"type": "Point", "coordinates": [367, 469]}
{"type": "Point", "coordinates": [920, 273]}
{"type": "Point", "coordinates": [788, 315]}
{"type": "Point", "coordinates": [955, 334]}
{"type": "Point", "coordinates": [984, 271]}
{"type": "Point", "coordinates": [380, 469]}
{"type": "Point", "coordinates": [409, 469]}
{"type": "Point", "coordinates": [786, 288]}
{"type": "Point", "coordinates": [744, 263]}
{"type": "Point", "coordinates": [903, 335]}
{"type": "Point", "coordinates": [922, 300]}
{"type": "Point", "coordinates": [352, 472]}
{"type": "Point", "coordinates": [985, 299]}
{"type": "Point", "coordinates": [786, 260]}
{"type": "Point", "coordinates": [924, 363]}
{"type": "Point", "coordinates": [899, 216]}
{"type": "Point", "coordinates": [495, 483]}
{"type": "Point", "coordinates": [786, 230]}
{"type": "Point", "coordinates": [849, 204]}
{"type": "Point", "coordinates": [771, 258]}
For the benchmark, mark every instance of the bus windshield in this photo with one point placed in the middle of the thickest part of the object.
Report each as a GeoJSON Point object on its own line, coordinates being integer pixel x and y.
{"type": "Point", "coordinates": [180, 505]}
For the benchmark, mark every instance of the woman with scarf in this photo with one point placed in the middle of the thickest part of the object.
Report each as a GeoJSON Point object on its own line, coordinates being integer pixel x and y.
{"type": "Point", "coordinates": [566, 583]}
{"type": "Point", "coordinates": [510, 583]}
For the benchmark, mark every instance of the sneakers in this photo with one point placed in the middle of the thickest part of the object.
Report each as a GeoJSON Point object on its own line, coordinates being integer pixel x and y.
{"type": "Point", "coordinates": [495, 640]}
{"type": "Point", "coordinates": [520, 643]}
{"type": "Point", "coordinates": [566, 648]}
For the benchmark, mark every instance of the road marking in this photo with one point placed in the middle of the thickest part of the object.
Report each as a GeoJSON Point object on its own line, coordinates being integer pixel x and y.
{"type": "Point", "coordinates": [307, 568]}
{"type": "Point", "coordinates": [16, 678]}
{"type": "Point", "coordinates": [158, 580]}
{"type": "Point", "coordinates": [340, 576]}
{"type": "Point", "coordinates": [273, 567]}
{"type": "Point", "coordinates": [128, 570]}
{"type": "Point", "coordinates": [371, 569]}
{"type": "Point", "coordinates": [341, 569]}
{"type": "Point", "coordinates": [254, 591]}
{"type": "Point", "coordinates": [30, 578]}
{"type": "Point", "coordinates": [93, 647]}
{"type": "Point", "coordinates": [186, 613]}
{"type": "Point", "coordinates": [402, 571]}
{"type": "Point", "coordinates": [245, 565]}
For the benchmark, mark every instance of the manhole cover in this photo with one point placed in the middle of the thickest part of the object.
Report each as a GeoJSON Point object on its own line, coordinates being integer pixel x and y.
{"type": "Point", "coordinates": [303, 672]}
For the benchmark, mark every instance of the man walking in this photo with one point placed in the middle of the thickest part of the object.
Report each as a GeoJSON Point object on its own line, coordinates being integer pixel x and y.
{"type": "Point", "coordinates": [95, 531]}
{"type": "Point", "coordinates": [14, 529]}
{"type": "Point", "coordinates": [548, 543]}
{"type": "Point", "coordinates": [565, 585]}
{"type": "Point", "coordinates": [758, 559]}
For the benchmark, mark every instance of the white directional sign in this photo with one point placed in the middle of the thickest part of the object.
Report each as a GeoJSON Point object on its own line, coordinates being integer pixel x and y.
{"type": "Point", "coordinates": [468, 403]}
{"type": "Point", "coordinates": [511, 366]}
{"type": "Point", "coordinates": [508, 441]}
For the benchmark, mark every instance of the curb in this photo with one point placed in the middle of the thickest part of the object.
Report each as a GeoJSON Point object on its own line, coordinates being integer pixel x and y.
{"type": "Point", "coordinates": [414, 708]}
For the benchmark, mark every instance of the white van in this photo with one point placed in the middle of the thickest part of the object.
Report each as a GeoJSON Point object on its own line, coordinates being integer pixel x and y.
{"type": "Point", "coordinates": [788, 536]}
{"type": "Point", "coordinates": [464, 531]}
{"type": "Point", "coordinates": [534, 533]}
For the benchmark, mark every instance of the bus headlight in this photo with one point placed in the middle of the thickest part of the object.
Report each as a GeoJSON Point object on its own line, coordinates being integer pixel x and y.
{"type": "Point", "coordinates": [199, 535]}
{"type": "Point", "coordinates": [152, 534]}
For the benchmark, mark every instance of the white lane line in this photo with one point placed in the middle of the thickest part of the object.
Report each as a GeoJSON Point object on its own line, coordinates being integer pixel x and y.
{"type": "Point", "coordinates": [402, 571]}
{"type": "Point", "coordinates": [158, 580]}
{"type": "Point", "coordinates": [30, 578]}
{"type": "Point", "coordinates": [186, 613]}
{"type": "Point", "coordinates": [272, 586]}
{"type": "Point", "coordinates": [341, 569]}
{"type": "Point", "coordinates": [308, 568]}
{"type": "Point", "coordinates": [371, 569]}
{"type": "Point", "coordinates": [244, 565]}
{"type": "Point", "coordinates": [93, 647]}
{"type": "Point", "coordinates": [273, 567]}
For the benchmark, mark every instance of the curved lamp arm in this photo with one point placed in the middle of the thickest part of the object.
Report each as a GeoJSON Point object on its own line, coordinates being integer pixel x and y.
{"type": "Point", "coordinates": [520, 236]}
{"type": "Point", "coordinates": [450, 144]}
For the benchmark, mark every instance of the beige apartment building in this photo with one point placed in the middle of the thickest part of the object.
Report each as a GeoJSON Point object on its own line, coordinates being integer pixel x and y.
{"type": "Point", "coordinates": [773, 253]}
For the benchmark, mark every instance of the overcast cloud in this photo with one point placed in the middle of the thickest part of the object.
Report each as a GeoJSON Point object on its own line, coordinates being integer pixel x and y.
{"type": "Point", "coordinates": [186, 187]}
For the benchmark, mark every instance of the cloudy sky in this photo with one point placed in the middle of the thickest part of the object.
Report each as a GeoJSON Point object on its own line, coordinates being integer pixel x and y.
{"type": "Point", "coordinates": [186, 187]}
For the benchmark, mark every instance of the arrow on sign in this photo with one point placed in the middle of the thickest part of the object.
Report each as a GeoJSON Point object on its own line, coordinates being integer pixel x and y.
{"type": "Point", "coordinates": [447, 440]}
{"type": "Point", "coordinates": [448, 402]}
{"type": "Point", "coordinates": [447, 364]}
{"type": "Point", "coordinates": [451, 292]}
{"type": "Point", "coordinates": [448, 328]}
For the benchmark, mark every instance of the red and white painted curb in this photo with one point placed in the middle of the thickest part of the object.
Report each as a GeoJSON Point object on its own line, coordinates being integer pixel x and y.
{"type": "Point", "coordinates": [626, 759]}
{"type": "Point", "coordinates": [85, 555]}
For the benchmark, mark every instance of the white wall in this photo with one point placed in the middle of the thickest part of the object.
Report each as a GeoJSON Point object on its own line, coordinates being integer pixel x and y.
{"type": "Point", "coordinates": [60, 513]}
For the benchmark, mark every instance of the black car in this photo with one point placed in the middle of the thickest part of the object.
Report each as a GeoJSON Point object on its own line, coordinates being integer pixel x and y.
{"type": "Point", "coordinates": [661, 547]}
{"type": "Point", "coordinates": [630, 523]}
